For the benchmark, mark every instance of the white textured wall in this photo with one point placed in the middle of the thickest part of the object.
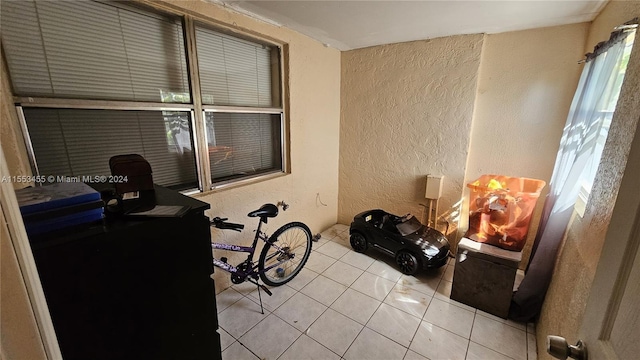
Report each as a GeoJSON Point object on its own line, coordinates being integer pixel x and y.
{"type": "Point", "coordinates": [525, 87]}
{"type": "Point", "coordinates": [406, 113]}
{"type": "Point", "coordinates": [526, 83]}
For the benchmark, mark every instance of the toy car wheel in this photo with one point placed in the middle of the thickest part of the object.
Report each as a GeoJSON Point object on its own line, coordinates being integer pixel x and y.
{"type": "Point", "coordinates": [408, 263]}
{"type": "Point", "coordinates": [358, 242]}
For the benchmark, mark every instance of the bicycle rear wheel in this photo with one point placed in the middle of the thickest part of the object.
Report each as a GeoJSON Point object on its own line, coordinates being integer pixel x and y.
{"type": "Point", "coordinates": [285, 254]}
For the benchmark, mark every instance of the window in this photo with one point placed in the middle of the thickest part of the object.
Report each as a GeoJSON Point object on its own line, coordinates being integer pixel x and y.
{"type": "Point", "coordinates": [605, 75]}
{"type": "Point", "coordinates": [587, 126]}
{"type": "Point", "coordinates": [246, 140]}
{"type": "Point", "coordinates": [234, 71]}
{"type": "Point", "coordinates": [80, 142]}
{"type": "Point", "coordinates": [89, 50]}
{"type": "Point", "coordinates": [242, 144]}
{"type": "Point", "coordinates": [97, 79]}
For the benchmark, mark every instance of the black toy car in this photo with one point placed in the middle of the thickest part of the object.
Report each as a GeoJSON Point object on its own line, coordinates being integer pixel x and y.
{"type": "Point", "coordinates": [414, 246]}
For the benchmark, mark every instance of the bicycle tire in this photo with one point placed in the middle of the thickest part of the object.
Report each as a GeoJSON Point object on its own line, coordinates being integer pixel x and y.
{"type": "Point", "coordinates": [294, 235]}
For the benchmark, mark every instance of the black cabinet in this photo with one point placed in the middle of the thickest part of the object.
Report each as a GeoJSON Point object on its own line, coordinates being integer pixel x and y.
{"type": "Point", "coordinates": [133, 288]}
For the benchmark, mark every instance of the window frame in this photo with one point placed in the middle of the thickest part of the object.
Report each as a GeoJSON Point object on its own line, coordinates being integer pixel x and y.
{"type": "Point", "coordinates": [196, 108]}
{"type": "Point", "coordinates": [608, 111]}
{"type": "Point", "coordinates": [222, 184]}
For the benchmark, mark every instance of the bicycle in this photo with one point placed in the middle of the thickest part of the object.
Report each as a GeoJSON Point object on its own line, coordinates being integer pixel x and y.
{"type": "Point", "coordinates": [283, 255]}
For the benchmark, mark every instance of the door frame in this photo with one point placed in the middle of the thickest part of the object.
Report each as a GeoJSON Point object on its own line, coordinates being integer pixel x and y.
{"type": "Point", "coordinates": [20, 243]}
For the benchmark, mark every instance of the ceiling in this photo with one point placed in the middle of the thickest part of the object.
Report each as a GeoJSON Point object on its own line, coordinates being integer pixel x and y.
{"type": "Point", "coordinates": [347, 25]}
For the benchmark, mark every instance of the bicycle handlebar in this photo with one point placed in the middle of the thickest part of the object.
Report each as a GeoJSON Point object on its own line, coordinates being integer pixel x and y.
{"type": "Point", "coordinates": [221, 224]}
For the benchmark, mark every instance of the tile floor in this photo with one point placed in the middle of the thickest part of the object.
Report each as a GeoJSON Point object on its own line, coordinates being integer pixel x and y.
{"type": "Point", "coordinates": [346, 305]}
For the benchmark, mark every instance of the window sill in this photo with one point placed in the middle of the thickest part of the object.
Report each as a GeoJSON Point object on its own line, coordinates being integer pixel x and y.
{"type": "Point", "coordinates": [581, 201]}
{"type": "Point", "coordinates": [238, 183]}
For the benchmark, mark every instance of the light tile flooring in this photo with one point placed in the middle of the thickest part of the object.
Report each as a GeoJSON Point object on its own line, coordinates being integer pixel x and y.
{"type": "Point", "coordinates": [346, 305]}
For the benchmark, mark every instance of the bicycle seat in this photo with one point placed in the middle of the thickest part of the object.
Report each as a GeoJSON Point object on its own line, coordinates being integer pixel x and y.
{"type": "Point", "coordinates": [265, 211]}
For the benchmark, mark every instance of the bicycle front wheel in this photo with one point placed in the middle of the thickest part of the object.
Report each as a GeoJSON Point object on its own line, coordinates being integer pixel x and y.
{"type": "Point", "coordinates": [285, 254]}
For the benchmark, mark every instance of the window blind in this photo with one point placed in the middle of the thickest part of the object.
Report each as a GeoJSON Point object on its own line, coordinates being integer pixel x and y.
{"type": "Point", "coordinates": [91, 50]}
{"type": "Point", "coordinates": [234, 71]}
{"type": "Point", "coordinates": [108, 50]}
{"type": "Point", "coordinates": [78, 142]}
{"type": "Point", "coordinates": [243, 144]}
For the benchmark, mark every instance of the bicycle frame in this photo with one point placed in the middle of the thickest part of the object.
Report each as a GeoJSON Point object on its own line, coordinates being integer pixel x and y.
{"type": "Point", "coordinates": [226, 266]}
{"type": "Point", "coordinates": [248, 249]}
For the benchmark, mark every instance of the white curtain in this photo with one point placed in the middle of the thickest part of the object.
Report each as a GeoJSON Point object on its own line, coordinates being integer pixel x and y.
{"type": "Point", "coordinates": [575, 168]}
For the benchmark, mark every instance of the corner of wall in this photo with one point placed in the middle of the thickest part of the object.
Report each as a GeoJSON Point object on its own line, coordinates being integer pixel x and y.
{"type": "Point", "coordinates": [463, 221]}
